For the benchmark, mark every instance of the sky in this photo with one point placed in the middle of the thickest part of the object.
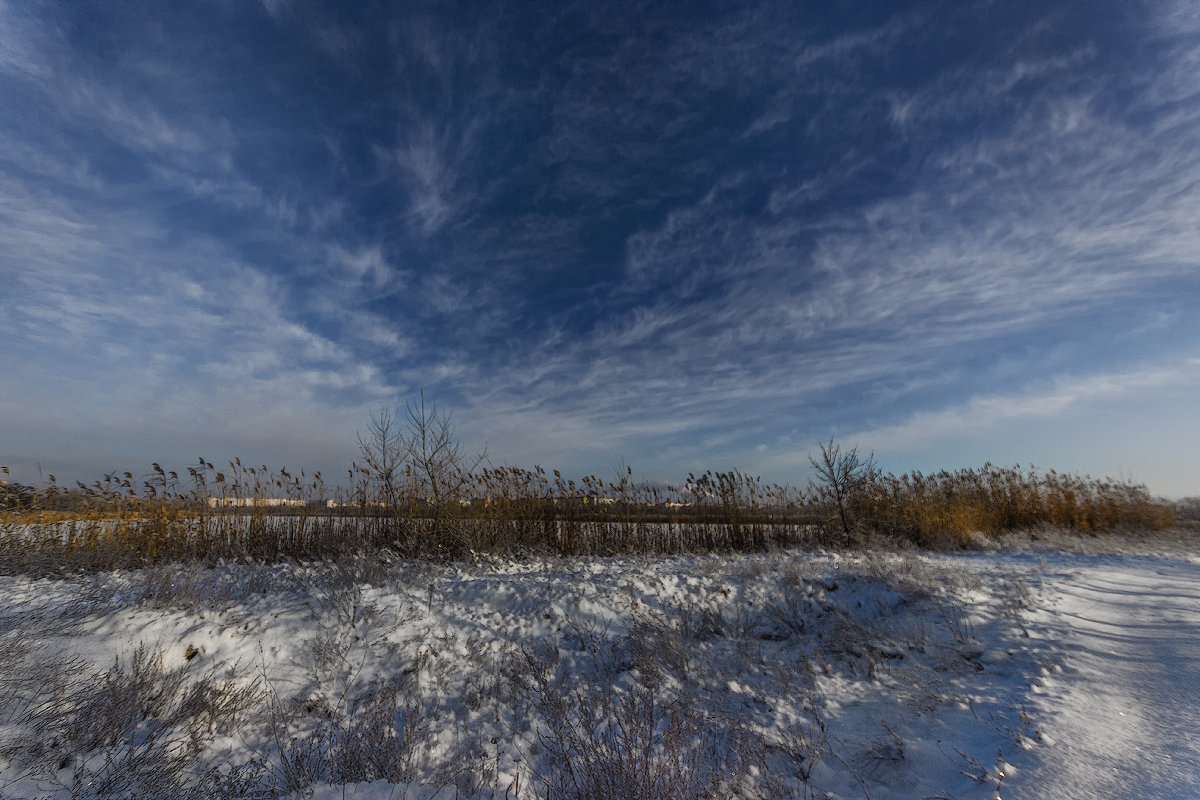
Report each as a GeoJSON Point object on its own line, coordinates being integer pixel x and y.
{"type": "Point", "coordinates": [667, 236]}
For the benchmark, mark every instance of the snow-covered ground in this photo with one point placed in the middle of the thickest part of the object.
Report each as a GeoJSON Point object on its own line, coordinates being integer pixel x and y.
{"type": "Point", "coordinates": [1010, 674]}
{"type": "Point", "coordinates": [1124, 711]}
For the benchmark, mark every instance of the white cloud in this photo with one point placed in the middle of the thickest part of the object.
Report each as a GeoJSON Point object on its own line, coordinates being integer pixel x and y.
{"type": "Point", "coordinates": [980, 416]}
{"type": "Point", "coordinates": [276, 9]}
{"type": "Point", "coordinates": [366, 265]}
{"type": "Point", "coordinates": [857, 43]}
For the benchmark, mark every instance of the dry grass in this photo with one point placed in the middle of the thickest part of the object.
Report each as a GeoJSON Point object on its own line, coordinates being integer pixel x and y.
{"type": "Point", "coordinates": [640, 747]}
{"type": "Point", "coordinates": [136, 730]}
{"type": "Point", "coordinates": [245, 513]}
{"type": "Point", "coordinates": [953, 508]}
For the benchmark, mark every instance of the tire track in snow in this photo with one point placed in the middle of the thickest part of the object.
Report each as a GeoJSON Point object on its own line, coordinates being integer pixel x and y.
{"type": "Point", "coordinates": [1124, 713]}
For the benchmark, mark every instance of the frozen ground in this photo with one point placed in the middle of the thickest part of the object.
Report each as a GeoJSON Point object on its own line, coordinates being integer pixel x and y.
{"type": "Point", "coordinates": [1123, 713]}
{"type": "Point", "coordinates": [1011, 675]}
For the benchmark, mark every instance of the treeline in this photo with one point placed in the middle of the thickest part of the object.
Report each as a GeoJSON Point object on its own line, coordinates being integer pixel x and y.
{"type": "Point", "coordinates": [415, 493]}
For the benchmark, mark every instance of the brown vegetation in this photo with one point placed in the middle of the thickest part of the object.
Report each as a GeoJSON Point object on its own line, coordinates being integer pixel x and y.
{"type": "Point", "coordinates": [416, 493]}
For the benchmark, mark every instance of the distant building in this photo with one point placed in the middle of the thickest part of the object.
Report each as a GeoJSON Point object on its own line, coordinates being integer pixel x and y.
{"type": "Point", "coordinates": [336, 504]}
{"type": "Point", "coordinates": [254, 502]}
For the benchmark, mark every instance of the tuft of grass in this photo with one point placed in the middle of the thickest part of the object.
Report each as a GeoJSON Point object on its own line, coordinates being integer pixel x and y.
{"type": "Point", "coordinates": [639, 746]}
{"type": "Point", "coordinates": [384, 739]}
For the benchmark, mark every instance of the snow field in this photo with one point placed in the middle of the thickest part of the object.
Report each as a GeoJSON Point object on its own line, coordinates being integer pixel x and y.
{"type": "Point", "coordinates": [762, 676]}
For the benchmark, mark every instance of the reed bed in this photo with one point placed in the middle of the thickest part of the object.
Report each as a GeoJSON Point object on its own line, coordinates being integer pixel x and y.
{"type": "Point", "coordinates": [952, 507]}
{"type": "Point", "coordinates": [244, 513]}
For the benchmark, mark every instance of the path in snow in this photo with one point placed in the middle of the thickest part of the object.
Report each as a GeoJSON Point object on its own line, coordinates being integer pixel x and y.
{"type": "Point", "coordinates": [1124, 713]}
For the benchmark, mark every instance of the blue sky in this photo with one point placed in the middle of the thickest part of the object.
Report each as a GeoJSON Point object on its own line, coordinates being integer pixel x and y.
{"type": "Point", "coordinates": [674, 236]}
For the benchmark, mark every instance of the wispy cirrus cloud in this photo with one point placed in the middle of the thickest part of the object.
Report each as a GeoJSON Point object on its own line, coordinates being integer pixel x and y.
{"type": "Point", "coordinates": [1058, 400]}
{"type": "Point", "coordinates": [126, 326]}
{"type": "Point", "coordinates": [430, 165]}
{"type": "Point", "coordinates": [599, 233]}
{"type": "Point", "coordinates": [1063, 212]}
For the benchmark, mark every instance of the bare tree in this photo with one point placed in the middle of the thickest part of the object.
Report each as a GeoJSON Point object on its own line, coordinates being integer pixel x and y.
{"type": "Point", "coordinates": [843, 477]}
{"type": "Point", "coordinates": [435, 463]}
{"type": "Point", "coordinates": [425, 463]}
{"type": "Point", "coordinates": [383, 450]}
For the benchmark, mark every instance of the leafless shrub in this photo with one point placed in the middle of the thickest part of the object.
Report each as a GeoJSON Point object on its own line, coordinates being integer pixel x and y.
{"type": "Point", "coordinates": [1188, 510]}
{"type": "Point", "coordinates": [659, 647]}
{"type": "Point", "coordinates": [343, 728]}
{"type": "Point", "coordinates": [605, 651]}
{"type": "Point", "coordinates": [792, 613]}
{"type": "Point", "coordinates": [908, 574]}
{"type": "Point", "coordinates": [382, 740]}
{"type": "Point", "coordinates": [672, 642]}
{"type": "Point", "coordinates": [133, 731]}
{"type": "Point", "coordinates": [639, 747]}
{"type": "Point", "coordinates": [801, 741]}
{"type": "Point", "coordinates": [884, 746]}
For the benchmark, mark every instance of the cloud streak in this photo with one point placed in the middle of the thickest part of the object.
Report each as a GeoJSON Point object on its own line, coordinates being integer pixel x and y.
{"type": "Point", "coordinates": [1057, 401]}
{"type": "Point", "coordinates": [685, 240]}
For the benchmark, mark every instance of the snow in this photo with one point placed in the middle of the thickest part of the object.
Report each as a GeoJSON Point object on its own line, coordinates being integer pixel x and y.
{"type": "Point", "coordinates": [879, 675]}
{"type": "Point", "coordinates": [1122, 710]}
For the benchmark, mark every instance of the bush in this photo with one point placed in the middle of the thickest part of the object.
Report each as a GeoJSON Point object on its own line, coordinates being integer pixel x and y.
{"type": "Point", "coordinates": [637, 747]}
